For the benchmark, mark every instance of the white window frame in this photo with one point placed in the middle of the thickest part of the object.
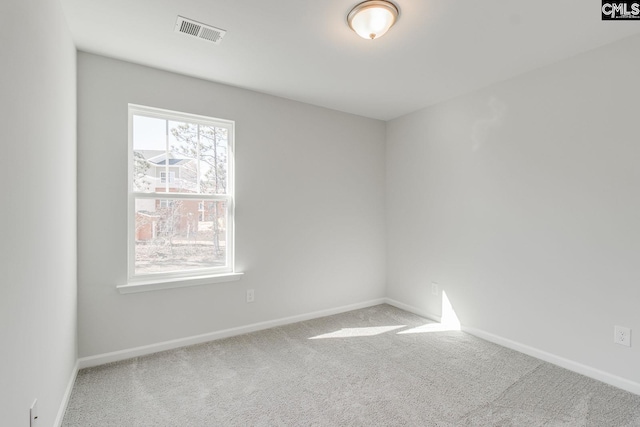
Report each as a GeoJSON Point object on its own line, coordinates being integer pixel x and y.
{"type": "Point", "coordinates": [153, 281]}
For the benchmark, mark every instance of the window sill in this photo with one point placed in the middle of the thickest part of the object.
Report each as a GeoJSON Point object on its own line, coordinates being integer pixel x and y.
{"type": "Point", "coordinates": [182, 282]}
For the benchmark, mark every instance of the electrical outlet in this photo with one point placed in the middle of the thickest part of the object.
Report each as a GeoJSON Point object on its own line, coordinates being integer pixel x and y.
{"type": "Point", "coordinates": [622, 335]}
{"type": "Point", "coordinates": [250, 295]}
{"type": "Point", "coordinates": [33, 414]}
{"type": "Point", "coordinates": [435, 289]}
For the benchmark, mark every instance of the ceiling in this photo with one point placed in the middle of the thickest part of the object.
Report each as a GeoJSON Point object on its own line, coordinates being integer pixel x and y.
{"type": "Point", "coordinates": [304, 50]}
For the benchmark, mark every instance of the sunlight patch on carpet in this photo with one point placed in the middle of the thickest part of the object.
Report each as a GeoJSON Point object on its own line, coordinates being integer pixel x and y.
{"type": "Point", "coordinates": [358, 332]}
{"type": "Point", "coordinates": [429, 327]}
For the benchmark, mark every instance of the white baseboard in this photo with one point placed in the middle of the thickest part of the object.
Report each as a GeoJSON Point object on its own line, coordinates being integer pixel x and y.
{"type": "Point", "coordinates": [588, 371]}
{"type": "Point", "coordinates": [67, 396]}
{"type": "Point", "coordinates": [115, 356]}
{"type": "Point", "coordinates": [412, 309]}
{"type": "Point", "coordinates": [571, 365]}
{"type": "Point", "coordinates": [101, 359]}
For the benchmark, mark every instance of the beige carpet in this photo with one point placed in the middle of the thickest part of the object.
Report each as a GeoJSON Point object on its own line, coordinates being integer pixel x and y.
{"type": "Point", "coordinates": [378, 366]}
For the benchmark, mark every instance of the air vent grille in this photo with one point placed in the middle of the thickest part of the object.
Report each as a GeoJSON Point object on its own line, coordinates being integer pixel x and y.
{"type": "Point", "coordinates": [193, 28]}
{"type": "Point", "coordinates": [210, 34]}
{"type": "Point", "coordinates": [190, 28]}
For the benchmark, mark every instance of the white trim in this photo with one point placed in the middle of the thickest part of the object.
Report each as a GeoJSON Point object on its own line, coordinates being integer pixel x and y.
{"type": "Point", "coordinates": [115, 356]}
{"type": "Point", "coordinates": [180, 282]}
{"type": "Point", "coordinates": [229, 197]}
{"type": "Point", "coordinates": [605, 377]}
{"type": "Point", "coordinates": [161, 113]}
{"type": "Point", "coordinates": [184, 196]}
{"type": "Point", "coordinates": [412, 309]}
{"type": "Point", "coordinates": [588, 371]}
{"type": "Point", "coordinates": [67, 395]}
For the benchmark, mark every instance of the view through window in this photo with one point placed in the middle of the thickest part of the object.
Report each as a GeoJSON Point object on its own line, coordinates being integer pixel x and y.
{"type": "Point", "coordinates": [181, 194]}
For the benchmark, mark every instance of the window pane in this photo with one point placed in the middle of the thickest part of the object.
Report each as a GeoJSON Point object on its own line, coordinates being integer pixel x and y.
{"type": "Point", "coordinates": [179, 157]}
{"type": "Point", "coordinates": [213, 159]}
{"type": "Point", "coordinates": [183, 155]}
{"type": "Point", "coordinates": [149, 154]}
{"type": "Point", "coordinates": [201, 153]}
{"type": "Point", "coordinates": [173, 235]}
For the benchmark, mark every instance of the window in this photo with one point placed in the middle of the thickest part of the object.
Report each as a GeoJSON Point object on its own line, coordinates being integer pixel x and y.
{"type": "Point", "coordinates": [201, 211]}
{"type": "Point", "coordinates": [180, 195]}
{"type": "Point", "coordinates": [163, 177]}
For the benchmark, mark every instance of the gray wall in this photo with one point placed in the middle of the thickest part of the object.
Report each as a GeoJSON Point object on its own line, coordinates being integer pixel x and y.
{"type": "Point", "coordinates": [522, 201]}
{"type": "Point", "coordinates": [309, 215]}
{"type": "Point", "coordinates": [38, 213]}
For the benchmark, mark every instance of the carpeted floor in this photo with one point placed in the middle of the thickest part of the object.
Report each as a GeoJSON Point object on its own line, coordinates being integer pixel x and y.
{"type": "Point", "coordinates": [378, 366]}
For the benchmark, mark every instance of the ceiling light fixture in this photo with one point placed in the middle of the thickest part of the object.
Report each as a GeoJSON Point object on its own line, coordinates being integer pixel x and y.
{"type": "Point", "coordinates": [371, 19]}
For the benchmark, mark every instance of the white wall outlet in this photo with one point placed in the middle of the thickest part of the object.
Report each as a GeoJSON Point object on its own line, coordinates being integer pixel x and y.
{"type": "Point", "coordinates": [33, 414]}
{"type": "Point", "coordinates": [435, 289]}
{"type": "Point", "coordinates": [622, 335]}
{"type": "Point", "coordinates": [250, 295]}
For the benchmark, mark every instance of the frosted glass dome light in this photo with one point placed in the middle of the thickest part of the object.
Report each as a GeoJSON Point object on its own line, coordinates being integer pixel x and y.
{"type": "Point", "coordinates": [372, 19]}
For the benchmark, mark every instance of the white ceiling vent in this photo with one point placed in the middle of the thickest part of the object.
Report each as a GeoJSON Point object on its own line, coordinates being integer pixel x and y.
{"type": "Point", "coordinates": [199, 30]}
